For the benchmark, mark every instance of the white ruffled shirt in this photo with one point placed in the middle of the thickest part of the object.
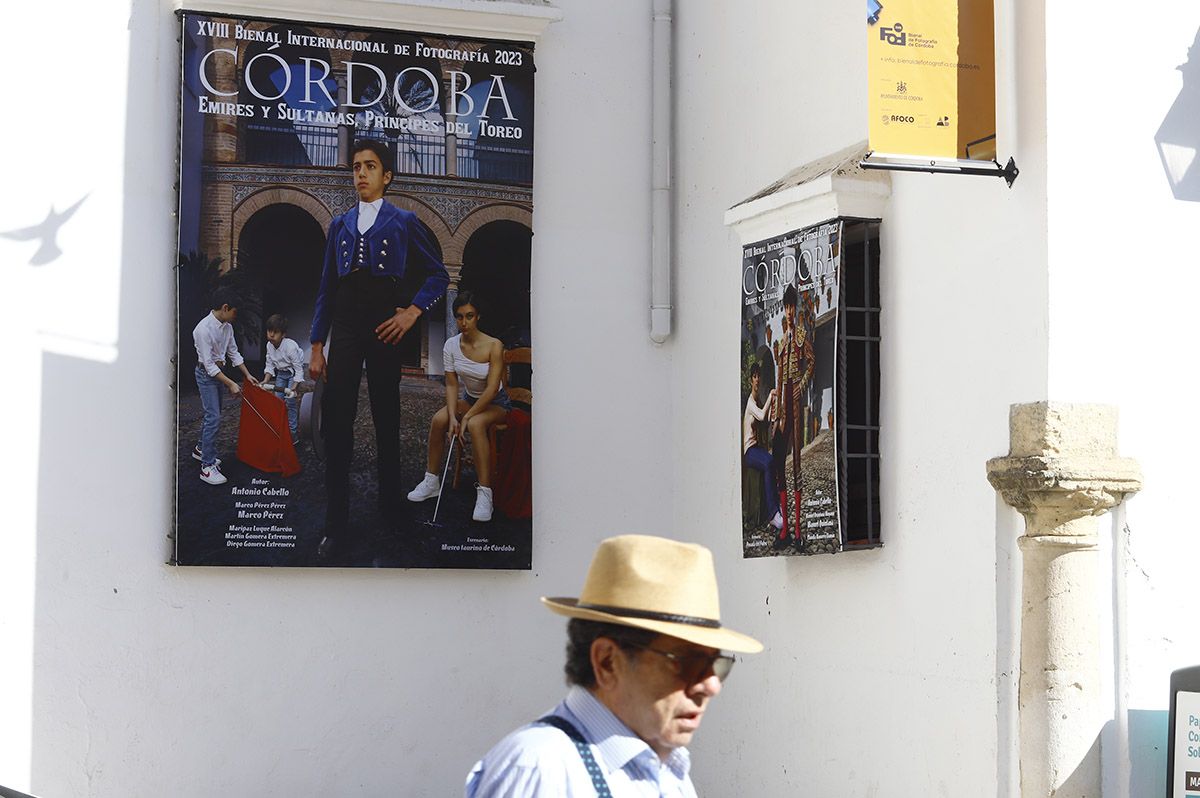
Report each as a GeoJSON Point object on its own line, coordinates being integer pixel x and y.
{"type": "Point", "coordinates": [367, 211]}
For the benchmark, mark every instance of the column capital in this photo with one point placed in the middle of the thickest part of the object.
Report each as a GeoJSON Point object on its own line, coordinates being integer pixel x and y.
{"type": "Point", "coordinates": [1063, 465]}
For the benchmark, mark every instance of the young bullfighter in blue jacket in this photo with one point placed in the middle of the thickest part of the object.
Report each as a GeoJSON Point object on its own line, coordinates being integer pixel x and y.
{"type": "Point", "coordinates": [382, 271]}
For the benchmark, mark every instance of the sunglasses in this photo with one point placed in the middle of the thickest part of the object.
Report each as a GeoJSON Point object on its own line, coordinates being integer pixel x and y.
{"type": "Point", "coordinates": [693, 668]}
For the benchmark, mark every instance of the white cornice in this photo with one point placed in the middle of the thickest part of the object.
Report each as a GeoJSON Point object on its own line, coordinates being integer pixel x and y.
{"type": "Point", "coordinates": [816, 192]}
{"type": "Point", "coordinates": [489, 19]}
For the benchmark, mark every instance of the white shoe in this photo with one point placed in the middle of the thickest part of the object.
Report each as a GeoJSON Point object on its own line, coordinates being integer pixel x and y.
{"type": "Point", "coordinates": [777, 521]}
{"type": "Point", "coordinates": [483, 504]}
{"type": "Point", "coordinates": [212, 475]}
{"type": "Point", "coordinates": [426, 488]}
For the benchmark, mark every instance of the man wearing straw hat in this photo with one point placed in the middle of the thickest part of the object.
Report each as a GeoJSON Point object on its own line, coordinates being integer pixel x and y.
{"type": "Point", "coordinates": [646, 652]}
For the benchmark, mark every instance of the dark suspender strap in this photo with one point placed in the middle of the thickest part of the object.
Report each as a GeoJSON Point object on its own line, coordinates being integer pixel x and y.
{"type": "Point", "coordinates": [585, 752]}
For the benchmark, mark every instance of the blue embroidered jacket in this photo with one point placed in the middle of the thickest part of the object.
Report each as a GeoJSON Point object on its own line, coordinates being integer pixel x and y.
{"type": "Point", "coordinates": [397, 247]}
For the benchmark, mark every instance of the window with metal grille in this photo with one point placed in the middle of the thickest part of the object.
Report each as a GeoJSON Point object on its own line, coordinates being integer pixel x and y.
{"type": "Point", "coordinates": [858, 385]}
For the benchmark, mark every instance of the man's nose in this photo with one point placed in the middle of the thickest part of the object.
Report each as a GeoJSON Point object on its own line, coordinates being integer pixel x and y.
{"type": "Point", "coordinates": [709, 686]}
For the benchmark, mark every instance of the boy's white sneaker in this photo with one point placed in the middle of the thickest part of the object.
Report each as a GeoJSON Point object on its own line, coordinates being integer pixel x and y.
{"type": "Point", "coordinates": [212, 475]}
{"type": "Point", "coordinates": [483, 504]}
{"type": "Point", "coordinates": [426, 488]}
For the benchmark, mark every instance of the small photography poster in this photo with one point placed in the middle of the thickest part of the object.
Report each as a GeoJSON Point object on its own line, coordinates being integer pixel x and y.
{"type": "Point", "coordinates": [354, 384]}
{"type": "Point", "coordinates": [789, 293]}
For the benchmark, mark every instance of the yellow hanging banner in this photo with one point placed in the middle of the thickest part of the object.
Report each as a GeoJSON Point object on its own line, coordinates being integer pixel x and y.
{"type": "Point", "coordinates": [932, 79]}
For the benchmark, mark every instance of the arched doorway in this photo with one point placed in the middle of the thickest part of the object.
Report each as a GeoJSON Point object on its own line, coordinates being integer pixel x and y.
{"type": "Point", "coordinates": [496, 267]}
{"type": "Point", "coordinates": [413, 344]}
{"type": "Point", "coordinates": [281, 248]}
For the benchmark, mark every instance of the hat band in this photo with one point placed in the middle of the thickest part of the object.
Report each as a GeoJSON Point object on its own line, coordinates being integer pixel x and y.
{"type": "Point", "coordinates": [626, 612]}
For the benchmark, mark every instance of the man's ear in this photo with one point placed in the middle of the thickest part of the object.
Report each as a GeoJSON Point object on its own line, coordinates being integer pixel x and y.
{"type": "Point", "coordinates": [605, 655]}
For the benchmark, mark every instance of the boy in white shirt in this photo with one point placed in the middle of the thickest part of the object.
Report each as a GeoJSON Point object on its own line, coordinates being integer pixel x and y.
{"type": "Point", "coordinates": [215, 345]}
{"type": "Point", "coordinates": [285, 367]}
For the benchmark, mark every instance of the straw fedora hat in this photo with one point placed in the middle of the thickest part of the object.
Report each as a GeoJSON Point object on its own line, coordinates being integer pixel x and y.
{"type": "Point", "coordinates": [657, 584]}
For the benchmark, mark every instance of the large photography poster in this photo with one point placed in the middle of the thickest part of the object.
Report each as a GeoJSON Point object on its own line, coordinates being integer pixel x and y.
{"type": "Point", "coordinates": [355, 218]}
{"type": "Point", "coordinates": [788, 393]}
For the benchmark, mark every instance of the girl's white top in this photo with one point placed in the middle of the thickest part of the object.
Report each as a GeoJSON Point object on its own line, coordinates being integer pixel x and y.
{"type": "Point", "coordinates": [473, 375]}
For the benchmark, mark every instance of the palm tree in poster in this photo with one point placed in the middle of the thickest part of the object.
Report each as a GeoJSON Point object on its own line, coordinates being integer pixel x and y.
{"type": "Point", "coordinates": [412, 90]}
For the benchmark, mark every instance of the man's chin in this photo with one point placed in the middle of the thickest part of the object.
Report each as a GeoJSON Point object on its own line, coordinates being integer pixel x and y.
{"type": "Point", "coordinates": [683, 731]}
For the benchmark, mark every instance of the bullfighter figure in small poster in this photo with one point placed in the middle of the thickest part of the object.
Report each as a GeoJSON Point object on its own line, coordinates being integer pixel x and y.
{"type": "Point", "coordinates": [795, 372]}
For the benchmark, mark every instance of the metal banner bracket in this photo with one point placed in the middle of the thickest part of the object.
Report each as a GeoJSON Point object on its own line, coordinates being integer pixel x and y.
{"type": "Point", "coordinates": [1009, 171]}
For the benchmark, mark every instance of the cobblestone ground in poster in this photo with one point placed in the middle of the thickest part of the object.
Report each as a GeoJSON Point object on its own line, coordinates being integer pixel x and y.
{"type": "Point", "coordinates": [406, 542]}
{"type": "Point", "coordinates": [817, 468]}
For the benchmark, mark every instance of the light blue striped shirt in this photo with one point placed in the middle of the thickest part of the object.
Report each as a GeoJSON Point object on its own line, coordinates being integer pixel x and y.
{"type": "Point", "coordinates": [539, 761]}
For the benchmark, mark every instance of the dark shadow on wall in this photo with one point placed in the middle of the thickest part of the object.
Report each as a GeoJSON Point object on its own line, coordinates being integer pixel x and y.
{"type": "Point", "coordinates": [1178, 138]}
{"type": "Point", "coordinates": [1148, 751]}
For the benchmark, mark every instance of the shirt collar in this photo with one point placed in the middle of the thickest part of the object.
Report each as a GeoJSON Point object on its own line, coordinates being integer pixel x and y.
{"type": "Point", "coordinates": [377, 204]}
{"type": "Point", "coordinates": [615, 741]}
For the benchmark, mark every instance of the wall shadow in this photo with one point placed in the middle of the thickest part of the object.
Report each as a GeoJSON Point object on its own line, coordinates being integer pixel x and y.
{"type": "Point", "coordinates": [1178, 138]}
{"type": "Point", "coordinates": [1148, 752]}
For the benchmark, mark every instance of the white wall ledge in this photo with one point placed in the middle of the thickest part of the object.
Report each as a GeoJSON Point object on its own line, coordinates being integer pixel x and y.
{"type": "Point", "coordinates": [522, 20]}
{"type": "Point", "coordinates": [818, 191]}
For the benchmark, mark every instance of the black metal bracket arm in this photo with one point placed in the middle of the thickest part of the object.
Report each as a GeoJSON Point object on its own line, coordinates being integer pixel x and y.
{"type": "Point", "coordinates": [1009, 171]}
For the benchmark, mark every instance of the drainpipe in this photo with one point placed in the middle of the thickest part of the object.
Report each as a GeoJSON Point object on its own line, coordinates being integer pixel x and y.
{"type": "Point", "coordinates": [660, 197]}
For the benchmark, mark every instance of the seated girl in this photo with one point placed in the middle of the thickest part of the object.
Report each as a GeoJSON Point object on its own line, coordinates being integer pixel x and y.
{"type": "Point", "coordinates": [474, 359]}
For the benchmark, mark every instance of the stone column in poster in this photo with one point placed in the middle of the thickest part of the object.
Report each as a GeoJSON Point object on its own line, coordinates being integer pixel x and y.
{"type": "Point", "coordinates": [1062, 470]}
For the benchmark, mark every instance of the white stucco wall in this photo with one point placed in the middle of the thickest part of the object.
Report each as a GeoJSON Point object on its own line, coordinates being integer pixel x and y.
{"type": "Point", "coordinates": [880, 676]}
{"type": "Point", "coordinates": [1123, 279]}
{"type": "Point", "coordinates": [887, 673]}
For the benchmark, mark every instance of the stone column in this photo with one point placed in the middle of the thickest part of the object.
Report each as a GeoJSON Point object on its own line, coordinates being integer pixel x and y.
{"type": "Point", "coordinates": [345, 133]}
{"type": "Point", "coordinates": [1062, 470]}
{"type": "Point", "coordinates": [220, 147]}
{"type": "Point", "coordinates": [455, 271]}
{"type": "Point", "coordinates": [220, 130]}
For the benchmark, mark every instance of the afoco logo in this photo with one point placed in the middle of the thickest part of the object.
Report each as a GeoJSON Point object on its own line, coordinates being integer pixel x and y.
{"type": "Point", "coordinates": [907, 119]}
